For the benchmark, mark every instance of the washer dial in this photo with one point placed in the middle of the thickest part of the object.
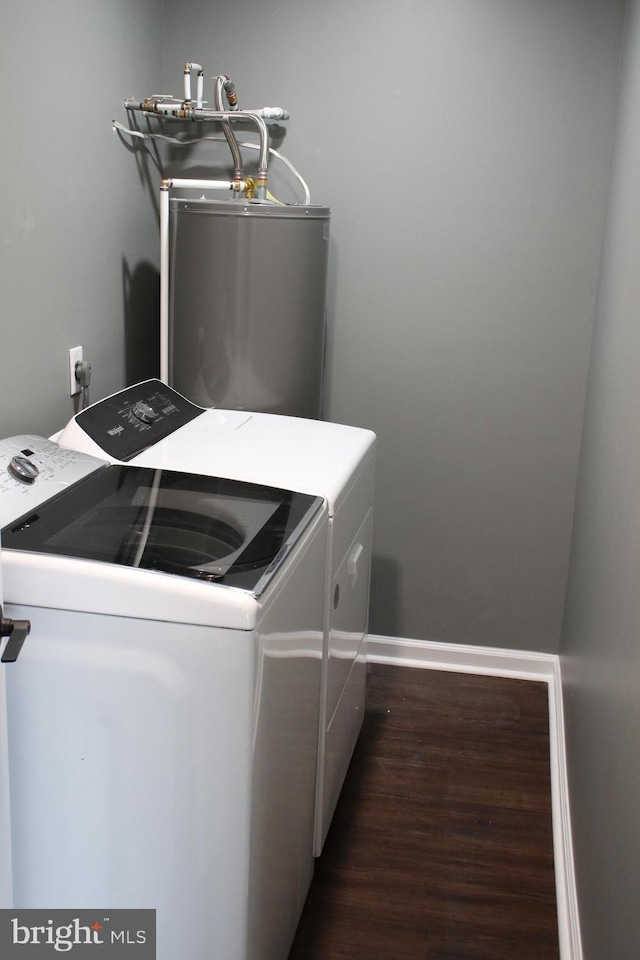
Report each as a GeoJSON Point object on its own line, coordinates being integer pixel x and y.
{"type": "Point", "coordinates": [23, 469]}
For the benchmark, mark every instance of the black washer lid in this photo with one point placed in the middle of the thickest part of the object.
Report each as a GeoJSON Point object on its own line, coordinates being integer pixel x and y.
{"type": "Point", "coordinates": [208, 528]}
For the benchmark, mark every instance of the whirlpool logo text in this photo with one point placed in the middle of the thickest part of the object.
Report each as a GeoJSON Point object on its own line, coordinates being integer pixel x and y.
{"type": "Point", "coordinates": [28, 934]}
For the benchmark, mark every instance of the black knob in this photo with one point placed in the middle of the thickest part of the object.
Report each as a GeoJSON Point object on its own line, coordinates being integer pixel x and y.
{"type": "Point", "coordinates": [144, 412]}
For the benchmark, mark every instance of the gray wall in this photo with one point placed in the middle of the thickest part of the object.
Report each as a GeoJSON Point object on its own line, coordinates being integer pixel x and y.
{"type": "Point", "coordinates": [601, 636]}
{"type": "Point", "coordinates": [463, 148]}
{"type": "Point", "coordinates": [464, 151]}
{"type": "Point", "coordinates": [78, 237]}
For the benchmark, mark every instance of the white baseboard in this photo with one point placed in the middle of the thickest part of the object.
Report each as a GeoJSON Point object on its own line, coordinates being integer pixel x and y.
{"type": "Point", "coordinates": [566, 891]}
{"type": "Point", "coordinates": [524, 665]}
{"type": "Point", "coordinates": [528, 665]}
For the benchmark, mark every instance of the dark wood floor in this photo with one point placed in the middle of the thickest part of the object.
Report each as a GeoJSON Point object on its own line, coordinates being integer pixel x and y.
{"type": "Point", "coordinates": [441, 846]}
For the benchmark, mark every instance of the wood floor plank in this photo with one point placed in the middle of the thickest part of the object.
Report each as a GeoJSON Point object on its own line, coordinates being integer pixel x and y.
{"type": "Point", "coordinates": [441, 846]}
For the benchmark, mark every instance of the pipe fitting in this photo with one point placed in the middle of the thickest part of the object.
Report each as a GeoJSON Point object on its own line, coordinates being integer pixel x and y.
{"type": "Point", "coordinates": [188, 68]}
{"type": "Point", "coordinates": [230, 93]}
{"type": "Point", "coordinates": [261, 187]}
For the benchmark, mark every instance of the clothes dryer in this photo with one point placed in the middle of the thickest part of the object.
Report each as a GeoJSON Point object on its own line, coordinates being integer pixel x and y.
{"type": "Point", "coordinates": [151, 424]}
{"type": "Point", "coordinates": [163, 712]}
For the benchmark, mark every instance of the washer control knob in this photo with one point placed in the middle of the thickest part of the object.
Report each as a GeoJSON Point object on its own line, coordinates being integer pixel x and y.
{"type": "Point", "coordinates": [23, 469]}
{"type": "Point", "coordinates": [144, 412]}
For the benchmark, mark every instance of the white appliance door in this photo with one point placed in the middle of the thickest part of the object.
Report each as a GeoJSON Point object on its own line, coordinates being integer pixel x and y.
{"type": "Point", "coordinates": [12, 635]}
{"type": "Point", "coordinates": [5, 828]}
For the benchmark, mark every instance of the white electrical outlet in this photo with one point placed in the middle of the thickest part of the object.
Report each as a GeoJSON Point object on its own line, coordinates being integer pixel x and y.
{"type": "Point", "coordinates": [75, 354]}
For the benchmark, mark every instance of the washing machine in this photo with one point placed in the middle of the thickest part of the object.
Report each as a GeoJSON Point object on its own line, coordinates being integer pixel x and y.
{"type": "Point", "coordinates": [163, 711]}
{"type": "Point", "coordinates": [151, 424]}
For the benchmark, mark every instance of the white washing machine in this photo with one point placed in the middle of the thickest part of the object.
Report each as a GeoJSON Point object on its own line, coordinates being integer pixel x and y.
{"type": "Point", "coordinates": [152, 425]}
{"type": "Point", "coordinates": [163, 712]}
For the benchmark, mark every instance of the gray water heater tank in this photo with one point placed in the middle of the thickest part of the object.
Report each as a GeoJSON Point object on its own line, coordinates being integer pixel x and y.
{"type": "Point", "coordinates": [247, 304]}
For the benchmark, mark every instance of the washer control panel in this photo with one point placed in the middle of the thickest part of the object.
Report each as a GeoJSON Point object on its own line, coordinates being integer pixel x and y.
{"type": "Point", "coordinates": [128, 422]}
{"type": "Point", "coordinates": [33, 470]}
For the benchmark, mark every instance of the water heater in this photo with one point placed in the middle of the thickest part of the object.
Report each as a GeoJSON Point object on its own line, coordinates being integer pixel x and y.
{"type": "Point", "coordinates": [242, 280]}
{"type": "Point", "coordinates": [247, 287]}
